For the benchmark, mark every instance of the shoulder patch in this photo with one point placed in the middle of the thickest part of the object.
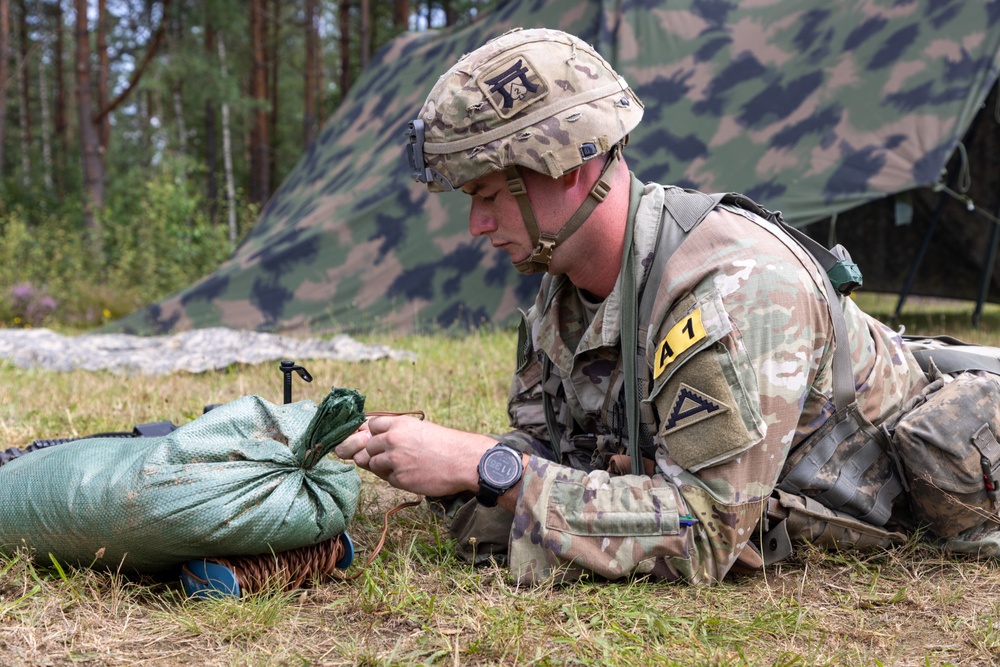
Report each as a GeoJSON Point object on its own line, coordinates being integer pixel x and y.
{"type": "Point", "coordinates": [691, 406]}
{"type": "Point", "coordinates": [681, 336]}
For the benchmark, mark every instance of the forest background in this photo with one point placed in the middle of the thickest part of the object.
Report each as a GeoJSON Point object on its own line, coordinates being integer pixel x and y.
{"type": "Point", "coordinates": [139, 139]}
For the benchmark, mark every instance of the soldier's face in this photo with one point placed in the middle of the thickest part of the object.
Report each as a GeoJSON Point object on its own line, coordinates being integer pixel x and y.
{"type": "Point", "coordinates": [495, 214]}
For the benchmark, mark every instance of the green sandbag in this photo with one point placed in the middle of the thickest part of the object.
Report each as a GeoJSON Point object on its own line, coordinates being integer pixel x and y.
{"type": "Point", "coordinates": [249, 477]}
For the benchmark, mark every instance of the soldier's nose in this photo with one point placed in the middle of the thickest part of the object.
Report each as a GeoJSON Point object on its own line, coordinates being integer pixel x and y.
{"type": "Point", "coordinates": [479, 223]}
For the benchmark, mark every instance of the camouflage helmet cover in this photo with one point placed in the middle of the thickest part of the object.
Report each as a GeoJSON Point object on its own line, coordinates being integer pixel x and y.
{"type": "Point", "coordinates": [541, 99]}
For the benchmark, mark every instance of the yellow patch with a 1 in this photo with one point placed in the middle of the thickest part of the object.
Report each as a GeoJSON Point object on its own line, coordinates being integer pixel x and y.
{"type": "Point", "coordinates": [681, 336]}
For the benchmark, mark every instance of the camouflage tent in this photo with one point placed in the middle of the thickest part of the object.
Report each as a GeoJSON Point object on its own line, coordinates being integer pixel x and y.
{"type": "Point", "coordinates": [812, 107]}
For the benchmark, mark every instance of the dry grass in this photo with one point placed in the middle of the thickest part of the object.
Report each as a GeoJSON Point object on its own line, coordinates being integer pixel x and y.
{"type": "Point", "coordinates": [418, 605]}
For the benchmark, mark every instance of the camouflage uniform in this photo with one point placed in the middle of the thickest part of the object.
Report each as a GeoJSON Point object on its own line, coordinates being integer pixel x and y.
{"type": "Point", "coordinates": [753, 381]}
{"type": "Point", "coordinates": [738, 343]}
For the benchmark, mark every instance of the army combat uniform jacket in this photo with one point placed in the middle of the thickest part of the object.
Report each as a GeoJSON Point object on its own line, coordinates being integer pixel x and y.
{"type": "Point", "coordinates": [738, 352]}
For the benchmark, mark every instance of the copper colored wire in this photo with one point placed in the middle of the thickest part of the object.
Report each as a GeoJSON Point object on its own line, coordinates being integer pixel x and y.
{"type": "Point", "coordinates": [287, 570]}
{"type": "Point", "coordinates": [383, 413]}
{"type": "Point", "coordinates": [295, 568]}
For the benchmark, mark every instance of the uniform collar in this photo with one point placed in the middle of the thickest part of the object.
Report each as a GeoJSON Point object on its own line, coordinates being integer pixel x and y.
{"type": "Point", "coordinates": [563, 310]}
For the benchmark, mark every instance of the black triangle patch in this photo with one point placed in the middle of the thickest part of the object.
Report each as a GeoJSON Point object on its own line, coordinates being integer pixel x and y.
{"type": "Point", "coordinates": [691, 406]}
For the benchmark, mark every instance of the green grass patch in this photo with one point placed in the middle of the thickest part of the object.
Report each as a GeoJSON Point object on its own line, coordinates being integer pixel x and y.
{"type": "Point", "coordinates": [929, 316]}
{"type": "Point", "coordinates": [418, 604]}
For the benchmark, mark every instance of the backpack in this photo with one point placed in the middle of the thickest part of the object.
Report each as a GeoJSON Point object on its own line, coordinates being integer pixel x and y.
{"type": "Point", "coordinates": [944, 440]}
{"type": "Point", "coordinates": [944, 453]}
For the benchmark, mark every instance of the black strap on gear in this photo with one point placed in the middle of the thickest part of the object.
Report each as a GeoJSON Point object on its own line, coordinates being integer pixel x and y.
{"type": "Point", "coordinates": [147, 430]}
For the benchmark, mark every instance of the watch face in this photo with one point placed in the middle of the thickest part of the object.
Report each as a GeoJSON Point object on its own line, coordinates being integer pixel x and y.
{"type": "Point", "coordinates": [500, 468]}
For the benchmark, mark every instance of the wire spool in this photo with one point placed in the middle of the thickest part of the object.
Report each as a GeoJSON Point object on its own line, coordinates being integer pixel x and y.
{"type": "Point", "coordinates": [287, 570]}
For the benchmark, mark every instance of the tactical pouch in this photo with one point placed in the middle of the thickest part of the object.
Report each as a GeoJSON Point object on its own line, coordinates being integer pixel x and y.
{"type": "Point", "coordinates": [803, 519]}
{"type": "Point", "coordinates": [946, 446]}
{"type": "Point", "coordinates": [845, 467]}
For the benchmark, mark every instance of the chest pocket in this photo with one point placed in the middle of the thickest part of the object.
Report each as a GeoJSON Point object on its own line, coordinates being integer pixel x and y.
{"type": "Point", "coordinates": [704, 385]}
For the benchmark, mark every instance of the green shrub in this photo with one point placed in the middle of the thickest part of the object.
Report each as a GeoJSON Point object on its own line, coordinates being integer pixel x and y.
{"type": "Point", "coordinates": [158, 237]}
{"type": "Point", "coordinates": [154, 237]}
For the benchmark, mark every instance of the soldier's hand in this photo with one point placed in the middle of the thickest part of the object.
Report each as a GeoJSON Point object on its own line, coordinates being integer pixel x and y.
{"type": "Point", "coordinates": [417, 456]}
{"type": "Point", "coordinates": [353, 446]}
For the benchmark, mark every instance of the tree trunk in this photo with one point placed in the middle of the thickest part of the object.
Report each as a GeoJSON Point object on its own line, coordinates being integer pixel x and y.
{"type": "Point", "coordinates": [401, 15]}
{"type": "Point", "coordinates": [61, 124]}
{"type": "Point", "coordinates": [152, 47]}
{"type": "Point", "coordinates": [4, 74]}
{"type": "Point", "coordinates": [345, 47]}
{"type": "Point", "coordinates": [161, 134]}
{"type": "Point", "coordinates": [366, 33]}
{"type": "Point", "coordinates": [211, 140]}
{"type": "Point", "coordinates": [309, 123]}
{"type": "Point", "coordinates": [23, 107]}
{"type": "Point", "coordinates": [43, 99]}
{"type": "Point", "coordinates": [450, 15]}
{"type": "Point", "coordinates": [93, 172]}
{"type": "Point", "coordinates": [175, 29]}
{"type": "Point", "coordinates": [177, 98]}
{"type": "Point", "coordinates": [103, 76]}
{"type": "Point", "coordinates": [320, 67]}
{"type": "Point", "coordinates": [373, 34]}
{"type": "Point", "coordinates": [259, 140]}
{"type": "Point", "coordinates": [148, 131]}
{"type": "Point", "coordinates": [227, 149]}
{"type": "Point", "coordinates": [273, 58]}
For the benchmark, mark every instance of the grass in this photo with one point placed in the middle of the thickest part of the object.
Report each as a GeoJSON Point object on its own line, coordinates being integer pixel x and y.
{"type": "Point", "coordinates": [417, 604]}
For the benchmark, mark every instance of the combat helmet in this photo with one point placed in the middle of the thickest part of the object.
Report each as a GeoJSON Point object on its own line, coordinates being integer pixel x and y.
{"type": "Point", "coordinates": [540, 99]}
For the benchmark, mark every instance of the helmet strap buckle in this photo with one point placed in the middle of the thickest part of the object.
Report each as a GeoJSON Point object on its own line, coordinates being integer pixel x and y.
{"type": "Point", "coordinates": [543, 249]}
{"type": "Point", "coordinates": [515, 184]}
{"type": "Point", "coordinates": [541, 255]}
{"type": "Point", "coordinates": [600, 190]}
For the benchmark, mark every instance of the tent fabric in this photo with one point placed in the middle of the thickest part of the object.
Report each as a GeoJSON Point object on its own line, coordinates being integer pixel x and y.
{"type": "Point", "coordinates": [809, 107]}
{"type": "Point", "coordinates": [954, 243]}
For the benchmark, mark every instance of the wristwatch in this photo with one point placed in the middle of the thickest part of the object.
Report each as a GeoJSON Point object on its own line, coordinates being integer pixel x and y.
{"type": "Point", "coordinates": [499, 469]}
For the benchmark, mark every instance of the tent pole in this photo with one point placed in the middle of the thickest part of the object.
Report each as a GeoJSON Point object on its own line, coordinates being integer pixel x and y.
{"type": "Point", "coordinates": [925, 244]}
{"type": "Point", "coordinates": [918, 260]}
{"type": "Point", "coordinates": [987, 275]}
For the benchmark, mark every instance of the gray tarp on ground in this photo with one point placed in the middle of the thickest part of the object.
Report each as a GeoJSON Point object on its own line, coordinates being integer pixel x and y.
{"type": "Point", "coordinates": [192, 351]}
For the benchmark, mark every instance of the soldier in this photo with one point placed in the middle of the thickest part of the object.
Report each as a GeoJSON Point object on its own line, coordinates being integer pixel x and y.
{"type": "Point", "coordinates": [679, 360]}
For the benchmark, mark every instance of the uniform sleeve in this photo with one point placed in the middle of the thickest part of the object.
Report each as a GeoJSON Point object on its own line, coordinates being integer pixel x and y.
{"type": "Point", "coordinates": [524, 400]}
{"type": "Point", "coordinates": [733, 362]}
{"type": "Point", "coordinates": [686, 522]}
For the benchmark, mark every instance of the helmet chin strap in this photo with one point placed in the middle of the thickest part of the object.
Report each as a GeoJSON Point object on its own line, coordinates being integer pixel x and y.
{"type": "Point", "coordinates": [544, 243]}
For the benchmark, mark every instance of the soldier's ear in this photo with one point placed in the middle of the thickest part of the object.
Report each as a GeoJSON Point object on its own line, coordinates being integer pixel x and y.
{"type": "Point", "coordinates": [572, 179]}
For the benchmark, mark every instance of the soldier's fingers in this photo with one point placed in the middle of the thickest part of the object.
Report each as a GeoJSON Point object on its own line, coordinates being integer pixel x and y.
{"type": "Point", "coordinates": [362, 459]}
{"type": "Point", "coordinates": [379, 424]}
{"type": "Point", "coordinates": [375, 445]}
{"type": "Point", "coordinates": [380, 464]}
{"type": "Point", "coordinates": [383, 423]}
{"type": "Point", "coordinates": [354, 443]}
